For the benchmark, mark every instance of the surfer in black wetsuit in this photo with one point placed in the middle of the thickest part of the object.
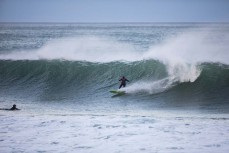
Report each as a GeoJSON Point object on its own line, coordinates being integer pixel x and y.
{"type": "Point", "coordinates": [123, 82]}
{"type": "Point", "coordinates": [11, 109]}
{"type": "Point", "coordinates": [14, 108]}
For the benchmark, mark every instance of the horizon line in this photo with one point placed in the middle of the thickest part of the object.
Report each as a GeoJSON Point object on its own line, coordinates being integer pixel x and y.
{"type": "Point", "coordinates": [184, 22]}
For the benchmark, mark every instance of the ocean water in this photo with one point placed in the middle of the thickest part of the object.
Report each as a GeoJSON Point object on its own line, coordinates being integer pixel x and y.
{"type": "Point", "coordinates": [60, 76]}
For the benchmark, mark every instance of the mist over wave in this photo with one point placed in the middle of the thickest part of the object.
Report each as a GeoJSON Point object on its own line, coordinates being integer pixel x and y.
{"type": "Point", "coordinates": [91, 49]}
{"type": "Point", "coordinates": [187, 47]}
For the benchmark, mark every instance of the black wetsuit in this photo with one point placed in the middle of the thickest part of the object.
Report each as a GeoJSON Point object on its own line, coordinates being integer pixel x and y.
{"type": "Point", "coordinates": [123, 82]}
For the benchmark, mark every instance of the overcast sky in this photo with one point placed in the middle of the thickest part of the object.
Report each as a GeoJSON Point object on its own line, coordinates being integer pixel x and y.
{"type": "Point", "coordinates": [114, 10]}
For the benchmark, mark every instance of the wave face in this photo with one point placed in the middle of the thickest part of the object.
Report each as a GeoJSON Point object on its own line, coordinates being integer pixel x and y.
{"type": "Point", "coordinates": [168, 65]}
{"type": "Point", "coordinates": [72, 80]}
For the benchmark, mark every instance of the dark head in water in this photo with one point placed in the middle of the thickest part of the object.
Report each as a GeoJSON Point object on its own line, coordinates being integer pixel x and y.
{"type": "Point", "coordinates": [14, 107]}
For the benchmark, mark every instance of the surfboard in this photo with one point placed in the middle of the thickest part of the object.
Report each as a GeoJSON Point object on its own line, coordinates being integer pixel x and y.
{"type": "Point", "coordinates": [117, 92]}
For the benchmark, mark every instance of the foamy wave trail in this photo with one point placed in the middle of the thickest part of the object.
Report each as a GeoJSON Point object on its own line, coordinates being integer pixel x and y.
{"type": "Point", "coordinates": [176, 74]}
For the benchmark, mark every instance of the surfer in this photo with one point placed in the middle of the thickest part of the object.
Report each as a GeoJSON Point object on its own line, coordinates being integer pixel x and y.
{"type": "Point", "coordinates": [123, 82]}
{"type": "Point", "coordinates": [11, 109]}
{"type": "Point", "coordinates": [14, 108]}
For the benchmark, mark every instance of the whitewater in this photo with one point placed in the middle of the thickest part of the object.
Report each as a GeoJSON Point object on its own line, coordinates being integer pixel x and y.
{"type": "Point", "coordinates": [60, 76]}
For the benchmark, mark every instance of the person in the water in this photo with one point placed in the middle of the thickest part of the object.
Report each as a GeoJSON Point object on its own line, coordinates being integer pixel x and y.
{"type": "Point", "coordinates": [10, 109]}
{"type": "Point", "coordinates": [14, 107]}
{"type": "Point", "coordinates": [123, 82]}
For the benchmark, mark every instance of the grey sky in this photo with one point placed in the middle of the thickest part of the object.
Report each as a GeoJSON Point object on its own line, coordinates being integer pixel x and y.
{"type": "Point", "coordinates": [114, 10]}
